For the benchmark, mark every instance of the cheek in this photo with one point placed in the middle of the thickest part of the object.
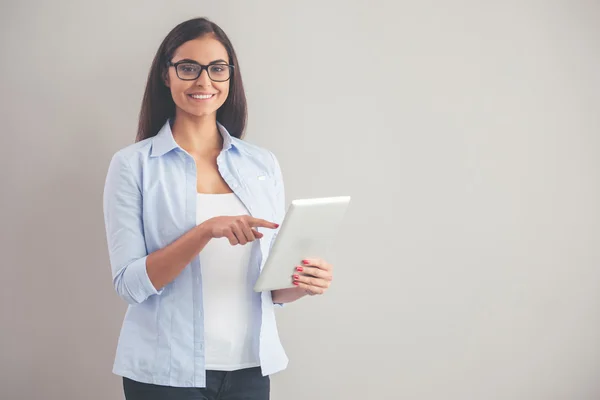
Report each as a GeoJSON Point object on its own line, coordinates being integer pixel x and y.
{"type": "Point", "coordinates": [178, 92]}
{"type": "Point", "coordinates": [178, 89]}
{"type": "Point", "coordinates": [224, 90]}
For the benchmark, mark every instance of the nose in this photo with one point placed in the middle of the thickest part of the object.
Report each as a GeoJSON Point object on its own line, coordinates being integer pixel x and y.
{"type": "Point", "coordinates": [203, 79]}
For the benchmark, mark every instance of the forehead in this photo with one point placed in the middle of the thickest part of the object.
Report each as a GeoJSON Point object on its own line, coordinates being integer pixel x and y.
{"type": "Point", "coordinates": [203, 50]}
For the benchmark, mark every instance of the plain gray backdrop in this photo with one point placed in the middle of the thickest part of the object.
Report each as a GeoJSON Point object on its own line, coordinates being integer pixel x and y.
{"type": "Point", "coordinates": [467, 132]}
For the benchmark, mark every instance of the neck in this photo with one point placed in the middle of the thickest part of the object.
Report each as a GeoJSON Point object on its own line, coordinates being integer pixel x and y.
{"type": "Point", "coordinates": [197, 135]}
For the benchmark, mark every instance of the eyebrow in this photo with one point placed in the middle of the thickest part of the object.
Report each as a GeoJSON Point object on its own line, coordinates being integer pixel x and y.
{"type": "Point", "coordinates": [194, 61]}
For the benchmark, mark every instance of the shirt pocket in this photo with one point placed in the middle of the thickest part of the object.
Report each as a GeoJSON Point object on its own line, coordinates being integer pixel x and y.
{"type": "Point", "coordinates": [263, 191]}
{"type": "Point", "coordinates": [266, 182]}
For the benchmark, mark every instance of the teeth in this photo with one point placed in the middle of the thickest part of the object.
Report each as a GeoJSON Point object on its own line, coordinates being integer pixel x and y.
{"type": "Point", "coordinates": [201, 96]}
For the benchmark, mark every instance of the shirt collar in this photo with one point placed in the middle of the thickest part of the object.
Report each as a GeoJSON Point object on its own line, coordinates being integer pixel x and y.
{"type": "Point", "coordinates": [164, 142]}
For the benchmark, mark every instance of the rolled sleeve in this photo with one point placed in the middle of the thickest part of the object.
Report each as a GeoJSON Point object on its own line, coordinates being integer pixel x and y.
{"type": "Point", "coordinates": [133, 283]}
{"type": "Point", "coordinates": [122, 205]}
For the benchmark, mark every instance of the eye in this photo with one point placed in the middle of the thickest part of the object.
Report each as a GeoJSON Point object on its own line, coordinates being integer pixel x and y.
{"type": "Point", "coordinates": [188, 67]}
{"type": "Point", "coordinates": [217, 68]}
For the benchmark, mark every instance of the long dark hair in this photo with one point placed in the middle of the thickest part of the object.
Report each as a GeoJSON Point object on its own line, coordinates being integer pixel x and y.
{"type": "Point", "coordinates": [158, 105]}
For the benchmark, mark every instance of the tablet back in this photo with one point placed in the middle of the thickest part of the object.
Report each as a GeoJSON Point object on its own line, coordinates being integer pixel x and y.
{"type": "Point", "coordinates": [308, 228]}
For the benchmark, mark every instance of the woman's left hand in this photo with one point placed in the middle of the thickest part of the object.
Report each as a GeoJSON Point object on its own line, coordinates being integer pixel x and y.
{"type": "Point", "coordinates": [314, 276]}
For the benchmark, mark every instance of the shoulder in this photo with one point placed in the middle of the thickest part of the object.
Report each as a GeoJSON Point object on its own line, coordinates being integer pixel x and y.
{"type": "Point", "coordinates": [135, 150]}
{"type": "Point", "coordinates": [133, 154]}
{"type": "Point", "coordinates": [257, 153]}
{"type": "Point", "coordinates": [130, 160]}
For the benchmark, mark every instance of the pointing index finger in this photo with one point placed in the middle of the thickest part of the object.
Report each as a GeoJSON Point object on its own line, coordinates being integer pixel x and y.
{"type": "Point", "coordinates": [257, 222]}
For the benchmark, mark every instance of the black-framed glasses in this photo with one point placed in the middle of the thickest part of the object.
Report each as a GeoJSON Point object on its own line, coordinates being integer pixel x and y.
{"type": "Point", "coordinates": [190, 70]}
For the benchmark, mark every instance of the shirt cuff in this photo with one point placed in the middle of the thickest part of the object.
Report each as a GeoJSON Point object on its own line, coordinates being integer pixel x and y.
{"type": "Point", "coordinates": [140, 287]}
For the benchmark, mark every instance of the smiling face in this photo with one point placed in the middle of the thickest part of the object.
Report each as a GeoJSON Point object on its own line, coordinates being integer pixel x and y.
{"type": "Point", "coordinates": [200, 97]}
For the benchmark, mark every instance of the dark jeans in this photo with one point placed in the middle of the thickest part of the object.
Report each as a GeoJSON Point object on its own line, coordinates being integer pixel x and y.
{"type": "Point", "coordinates": [243, 384]}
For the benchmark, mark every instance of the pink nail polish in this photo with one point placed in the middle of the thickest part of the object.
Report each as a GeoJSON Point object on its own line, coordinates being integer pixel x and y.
{"type": "Point", "coordinates": [299, 269]}
{"type": "Point", "coordinates": [296, 283]}
{"type": "Point", "coordinates": [304, 261]}
{"type": "Point", "coordinates": [296, 277]}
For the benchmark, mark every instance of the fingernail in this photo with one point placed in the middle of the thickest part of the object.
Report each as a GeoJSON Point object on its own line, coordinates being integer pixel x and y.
{"type": "Point", "coordinates": [304, 261]}
{"type": "Point", "coordinates": [296, 283]}
{"type": "Point", "coordinates": [276, 225]}
{"type": "Point", "coordinates": [296, 277]}
{"type": "Point", "coordinates": [300, 269]}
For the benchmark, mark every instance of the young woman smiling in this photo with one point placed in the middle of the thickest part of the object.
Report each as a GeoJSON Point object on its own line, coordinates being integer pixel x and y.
{"type": "Point", "coordinates": [191, 211]}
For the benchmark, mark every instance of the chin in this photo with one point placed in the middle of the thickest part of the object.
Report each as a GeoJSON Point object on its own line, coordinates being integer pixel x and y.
{"type": "Point", "coordinates": [200, 110]}
{"type": "Point", "coordinates": [196, 112]}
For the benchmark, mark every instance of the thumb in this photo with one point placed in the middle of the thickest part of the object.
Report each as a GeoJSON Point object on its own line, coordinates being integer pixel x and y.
{"type": "Point", "coordinates": [257, 234]}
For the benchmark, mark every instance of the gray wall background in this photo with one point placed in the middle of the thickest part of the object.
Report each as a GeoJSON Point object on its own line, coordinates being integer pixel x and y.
{"type": "Point", "coordinates": [466, 131]}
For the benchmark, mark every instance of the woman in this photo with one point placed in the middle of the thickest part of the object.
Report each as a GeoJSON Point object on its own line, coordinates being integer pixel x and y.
{"type": "Point", "coordinates": [191, 212]}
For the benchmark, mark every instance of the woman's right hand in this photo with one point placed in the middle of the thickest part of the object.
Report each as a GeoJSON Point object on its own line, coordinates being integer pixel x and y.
{"type": "Point", "coordinates": [239, 229]}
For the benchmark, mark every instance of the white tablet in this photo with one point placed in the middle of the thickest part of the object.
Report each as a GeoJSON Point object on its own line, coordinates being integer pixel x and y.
{"type": "Point", "coordinates": [307, 230]}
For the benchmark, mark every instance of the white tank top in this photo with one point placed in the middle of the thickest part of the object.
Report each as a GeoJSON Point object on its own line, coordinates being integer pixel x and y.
{"type": "Point", "coordinates": [231, 307]}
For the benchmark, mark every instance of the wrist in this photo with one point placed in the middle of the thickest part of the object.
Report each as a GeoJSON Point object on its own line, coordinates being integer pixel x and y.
{"type": "Point", "coordinates": [203, 232]}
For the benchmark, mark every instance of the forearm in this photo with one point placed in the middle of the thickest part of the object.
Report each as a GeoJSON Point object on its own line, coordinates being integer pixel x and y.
{"type": "Point", "coordinates": [164, 265]}
{"type": "Point", "coordinates": [287, 295]}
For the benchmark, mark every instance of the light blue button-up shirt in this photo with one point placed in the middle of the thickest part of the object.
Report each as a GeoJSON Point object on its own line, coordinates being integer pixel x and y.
{"type": "Point", "coordinates": [150, 201]}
